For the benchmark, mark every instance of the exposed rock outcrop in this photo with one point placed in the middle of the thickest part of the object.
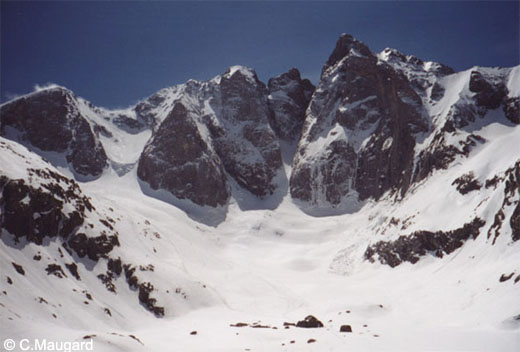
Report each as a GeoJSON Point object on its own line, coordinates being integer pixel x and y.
{"type": "Point", "coordinates": [51, 121]}
{"type": "Point", "coordinates": [512, 109]}
{"type": "Point", "coordinates": [375, 125]}
{"type": "Point", "coordinates": [412, 247]}
{"type": "Point", "coordinates": [358, 134]}
{"type": "Point", "coordinates": [439, 154]}
{"type": "Point", "coordinates": [216, 128]}
{"type": "Point", "coordinates": [487, 94]}
{"type": "Point", "coordinates": [50, 206]}
{"type": "Point", "coordinates": [289, 97]}
{"type": "Point", "coordinates": [178, 160]}
{"type": "Point", "coordinates": [248, 148]}
{"type": "Point", "coordinates": [466, 183]}
{"type": "Point", "coordinates": [511, 183]}
{"type": "Point", "coordinates": [36, 213]}
{"type": "Point", "coordinates": [309, 322]}
{"type": "Point", "coordinates": [380, 123]}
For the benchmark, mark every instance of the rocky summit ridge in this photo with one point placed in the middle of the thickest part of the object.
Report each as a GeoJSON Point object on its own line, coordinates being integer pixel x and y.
{"type": "Point", "coordinates": [376, 124]}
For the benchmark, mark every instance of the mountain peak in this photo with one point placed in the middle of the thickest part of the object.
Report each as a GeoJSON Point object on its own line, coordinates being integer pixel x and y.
{"type": "Point", "coordinates": [50, 86]}
{"type": "Point", "coordinates": [346, 45]}
{"type": "Point", "coordinates": [245, 71]}
{"type": "Point", "coordinates": [398, 59]}
{"type": "Point", "coordinates": [51, 89]}
{"type": "Point", "coordinates": [294, 73]}
{"type": "Point", "coordinates": [392, 54]}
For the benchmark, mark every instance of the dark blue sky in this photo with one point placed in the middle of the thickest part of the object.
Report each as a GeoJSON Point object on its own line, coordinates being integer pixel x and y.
{"type": "Point", "coordinates": [114, 53]}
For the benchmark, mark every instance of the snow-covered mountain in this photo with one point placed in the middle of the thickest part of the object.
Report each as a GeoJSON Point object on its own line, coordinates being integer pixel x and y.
{"type": "Point", "coordinates": [386, 198]}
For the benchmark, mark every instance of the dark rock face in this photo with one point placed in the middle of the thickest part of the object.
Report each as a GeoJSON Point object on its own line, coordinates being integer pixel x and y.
{"type": "Point", "coordinates": [144, 290]}
{"type": "Point", "coordinates": [487, 95]}
{"type": "Point", "coordinates": [131, 279]}
{"type": "Point", "coordinates": [93, 247]}
{"type": "Point", "coordinates": [439, 154]}
{"type": "Point", "coordinates": [115, 266]}
{"type": "Point", "coordinates": [366, 116]}
{"type": "Point", "coordinates": [128, 124]}
{"type": "Point", "coordinates": [511, 181]}
{"type": "Point", "coordinates": [309, 322]}
{"type": "Point", "coordinates": [344, 45]}
{"type": "Point", "coordinates": [216, 128]}
{"type": "Point", "coordinates": [87, 156]}
{"type": "Point", "coordinates": [437, 92]}
{"type": "Point", "coordinates": [145, 109]}
{"type": "Point", "coordinates": [73, 269]}
{"type": "Point", "coordinates": [57, 208]}
{"type": "Point", "coordinates": [357, 95]}
{"type": "Point", "coordinates": [289, 97]}
{"type": "Point", "coordinates": [251, 154]}
{"type": "Point", "coordinates": [17, 215]}
{"type": "Point", "coordinates": [178, 160]}
{"type": "Point", "coordinates": [386, 160]}
{"type": "Point", "coordinates": [478, 83]}
{"type": "Point", "coordinates": [38, 213]}
{"type": "Point", "coordinates": [512, 109]}
{"type": "Point", "coordinates": [515, 223]}
{"type": "Point", "coordinates": [443, 70]}
{"type": "Point", "coordinates": [150, 303]}
{"type": "Point", "coordinates": [50, 121]}
{"type": "Point", "coordinates": [421, 75]}
{"type": "Point", "coordinates": [410, 248]}
{"type": "Point", "coordinates": [467, 183]}
{"type": "Point", "coordinates": [56, 270]}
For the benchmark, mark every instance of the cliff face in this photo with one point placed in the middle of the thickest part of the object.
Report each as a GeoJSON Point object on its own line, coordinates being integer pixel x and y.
{"type": "Point", "coordinates": [177, 159]}
{"type": "Point", "coordinates": [217, 128]}
{"type": "Point", "coordinates": [359, 132]}
{"type": "Point", "coordinates": [381, 122]}
{"type": "Point", "coordinates": [376, 124]}
{"type": "Point", "coordinates": [289, 97]}
{"type": "Point", "coordinates": [51, 121]}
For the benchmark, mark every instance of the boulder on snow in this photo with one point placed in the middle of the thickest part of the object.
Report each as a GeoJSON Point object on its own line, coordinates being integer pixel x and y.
{"type": "Point", "coordinates": [345, 328]}
{"type": "Point", "coordinates": [309, 322]}
{"type": "Point", "coordinates": [505, 277]}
